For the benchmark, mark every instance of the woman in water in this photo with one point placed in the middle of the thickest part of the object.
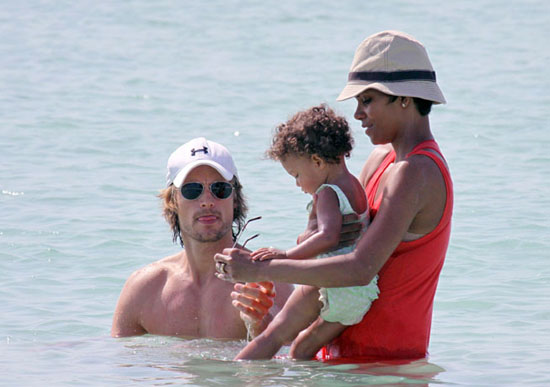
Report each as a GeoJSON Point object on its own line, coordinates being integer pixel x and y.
{"type": "Point", "coordinates": [410, 195]}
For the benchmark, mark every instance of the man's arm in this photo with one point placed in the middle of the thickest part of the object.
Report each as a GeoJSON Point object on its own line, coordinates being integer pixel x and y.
{"type": "Point", "coordinates": [126, 318]}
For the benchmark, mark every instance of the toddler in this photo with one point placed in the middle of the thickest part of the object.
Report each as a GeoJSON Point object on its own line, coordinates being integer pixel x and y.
{"type": "Point", "coordinates": [311, 147]}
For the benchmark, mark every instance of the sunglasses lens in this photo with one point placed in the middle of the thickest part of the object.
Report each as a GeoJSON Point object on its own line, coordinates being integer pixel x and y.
{"type": "Point", "coordinates": [221, 189]}
{"type": "Point", "coordinates": [191, 191]}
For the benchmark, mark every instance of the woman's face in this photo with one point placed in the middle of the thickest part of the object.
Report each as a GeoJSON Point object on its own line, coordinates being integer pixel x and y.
{"type": "Point", "coordinates": [379, 116]}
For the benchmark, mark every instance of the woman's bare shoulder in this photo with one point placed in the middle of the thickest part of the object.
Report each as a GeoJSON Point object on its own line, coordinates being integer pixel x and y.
{"type": "Point", "coordinates": [373, 161]}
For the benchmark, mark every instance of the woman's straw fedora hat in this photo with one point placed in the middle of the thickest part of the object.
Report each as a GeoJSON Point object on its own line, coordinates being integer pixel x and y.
{"type": "Point", "coordinates": [394, 63]}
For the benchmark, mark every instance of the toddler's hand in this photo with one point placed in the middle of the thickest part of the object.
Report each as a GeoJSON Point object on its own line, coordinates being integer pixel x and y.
{"type": "Point", "coordinates": [266, 253]}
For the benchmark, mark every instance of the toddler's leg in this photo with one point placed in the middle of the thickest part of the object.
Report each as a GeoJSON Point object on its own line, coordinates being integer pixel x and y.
{"type": "Point", "coordinates": [311, 340]}
{"type": "Point", "coordinates": [301, 308]}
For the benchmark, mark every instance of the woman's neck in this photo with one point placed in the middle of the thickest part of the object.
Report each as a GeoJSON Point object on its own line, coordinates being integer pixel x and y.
{"type": "Point", "coordinates": [413, 134]}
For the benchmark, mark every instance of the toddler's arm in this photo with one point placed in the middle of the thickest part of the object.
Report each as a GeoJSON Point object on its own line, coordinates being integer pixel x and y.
{"type": "Point", "coordinates": [325, 238]}
{"type": "Point", "coordinates": [265, 253]}
{"type": "Point", "coordinates": [312, 226]}
{"type": "Point", "coordinates": [350, 230]}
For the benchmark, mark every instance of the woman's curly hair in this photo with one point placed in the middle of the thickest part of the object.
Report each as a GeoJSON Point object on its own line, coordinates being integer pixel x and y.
{"type": "Point", "coordinates": [170, 209]}
{"type": "Point", "coordinates": [315, 131]}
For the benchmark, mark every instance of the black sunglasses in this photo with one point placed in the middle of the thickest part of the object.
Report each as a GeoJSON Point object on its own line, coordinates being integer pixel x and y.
{"type": "Point", "coordinates": [220, 189]}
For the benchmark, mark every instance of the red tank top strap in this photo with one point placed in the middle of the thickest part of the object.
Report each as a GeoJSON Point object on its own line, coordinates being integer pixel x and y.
{"type": "Point", "coordinates": [429, 144]}
{"type": "Point", "coordinates": [374, 181]}
{"type": "Point", "coordinates": [423, 149]}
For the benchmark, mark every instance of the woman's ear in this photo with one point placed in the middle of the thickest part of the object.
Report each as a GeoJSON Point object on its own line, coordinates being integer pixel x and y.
{"type": "Point", "coordinates": [405, 101]}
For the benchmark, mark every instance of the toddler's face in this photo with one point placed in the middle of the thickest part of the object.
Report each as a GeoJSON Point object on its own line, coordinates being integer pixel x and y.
{"type": "Point", "coordinates": [306, 171]}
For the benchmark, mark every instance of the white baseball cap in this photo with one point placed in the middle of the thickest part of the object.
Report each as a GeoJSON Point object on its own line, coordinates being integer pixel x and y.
{"type": "Point", "coordinates": [194, 153]}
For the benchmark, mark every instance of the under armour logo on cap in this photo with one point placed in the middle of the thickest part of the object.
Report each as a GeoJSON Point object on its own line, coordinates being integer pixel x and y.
{"type": "Point", "coordinates": [199, 151]}
{"type": "Point", "coordinates": [203, 150]}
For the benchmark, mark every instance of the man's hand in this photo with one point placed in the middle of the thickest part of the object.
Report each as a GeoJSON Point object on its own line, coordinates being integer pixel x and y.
{"type": "Point", "coordinates": [268, 253]}
{"type": "Point", "coordinates": [254, 300]}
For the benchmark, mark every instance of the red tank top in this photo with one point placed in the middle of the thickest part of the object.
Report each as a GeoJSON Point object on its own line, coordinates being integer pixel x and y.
{"type": "Point", "coordinates": [397, 326]}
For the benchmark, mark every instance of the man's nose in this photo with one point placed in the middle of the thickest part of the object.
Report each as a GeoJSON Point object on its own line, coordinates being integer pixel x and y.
{"type": "Point", "coordinates": [207, 204]}
{"type": "Point", "coordinates": [207, 199]}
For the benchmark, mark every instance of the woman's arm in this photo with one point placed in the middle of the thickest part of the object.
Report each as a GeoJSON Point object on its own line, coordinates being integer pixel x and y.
{"type": "Point", "coordinates": [405, 194]}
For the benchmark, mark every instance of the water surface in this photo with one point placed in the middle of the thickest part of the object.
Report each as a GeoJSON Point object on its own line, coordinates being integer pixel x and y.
{"type": "Point", "coordinates": [95, 96]}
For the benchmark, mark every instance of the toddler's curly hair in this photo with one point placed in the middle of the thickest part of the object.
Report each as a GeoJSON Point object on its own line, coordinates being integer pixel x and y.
{"type": "Point", "coordinates": [317, 130]}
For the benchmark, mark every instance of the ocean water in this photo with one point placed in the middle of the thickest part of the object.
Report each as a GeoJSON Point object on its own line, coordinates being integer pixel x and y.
{"type": "Point", "coordinates": [96, 94]}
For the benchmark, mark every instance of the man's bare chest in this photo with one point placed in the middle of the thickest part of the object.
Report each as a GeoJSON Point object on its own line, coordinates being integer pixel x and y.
{"type": "Point", "coordinates": [187, 310]}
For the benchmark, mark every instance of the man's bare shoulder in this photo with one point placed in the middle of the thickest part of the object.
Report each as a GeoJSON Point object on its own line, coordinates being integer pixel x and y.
{"type": "Point", "coordinates": [154, 274]}
{"type": "Point", "coordinates": [139, 295]}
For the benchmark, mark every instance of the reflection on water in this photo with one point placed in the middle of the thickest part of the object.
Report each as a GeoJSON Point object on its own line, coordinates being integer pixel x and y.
{"type": "Point", "coordinates": [158, 360]}
{"type": "Point", "coordinates": [206, 362]}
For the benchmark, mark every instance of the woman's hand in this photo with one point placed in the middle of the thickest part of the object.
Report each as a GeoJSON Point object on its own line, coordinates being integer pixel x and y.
{"type": "Point", "coordinates": [349, 233]}
{"type": "Point", "coordinates": [351, 230]}
{"type": "Point", "coordinates": [254, 300]}
{"type": "Point", "coordinates": [235, 265]}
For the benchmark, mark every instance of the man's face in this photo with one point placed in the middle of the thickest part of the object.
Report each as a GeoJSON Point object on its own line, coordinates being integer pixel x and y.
{"type": "Point", "coordinates": [207, 218]}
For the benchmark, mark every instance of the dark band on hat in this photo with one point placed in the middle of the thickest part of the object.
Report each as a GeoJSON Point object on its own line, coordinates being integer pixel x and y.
{"type": "Point", "coordinates": [392, 76]}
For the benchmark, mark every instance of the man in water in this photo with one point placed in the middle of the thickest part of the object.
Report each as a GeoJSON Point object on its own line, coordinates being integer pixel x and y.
{"type": "Point", "coordinates": [180, 295]}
